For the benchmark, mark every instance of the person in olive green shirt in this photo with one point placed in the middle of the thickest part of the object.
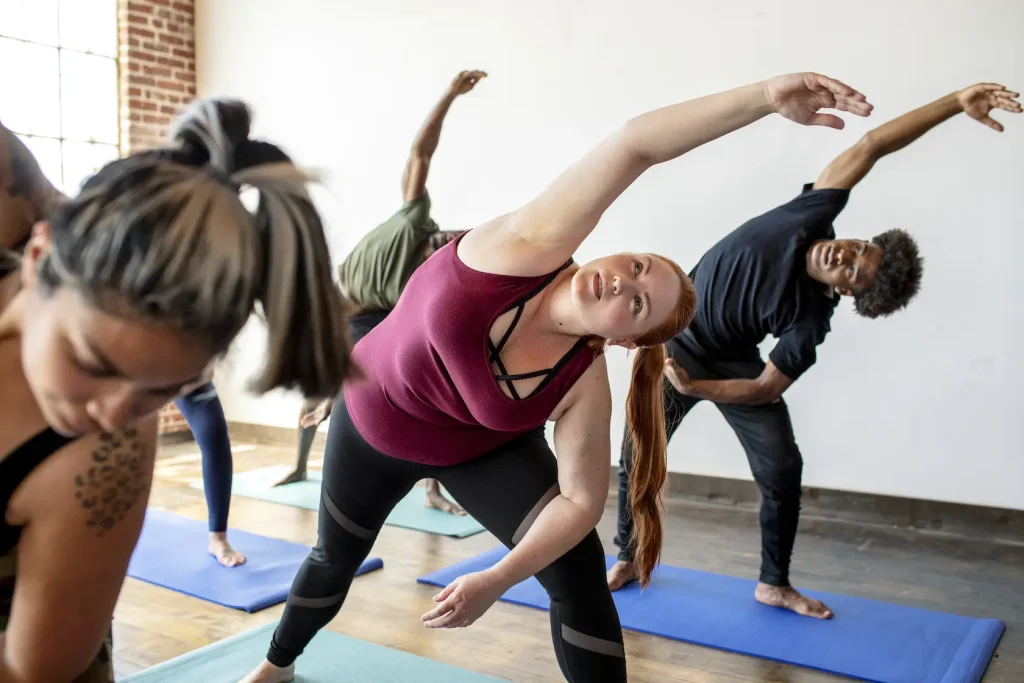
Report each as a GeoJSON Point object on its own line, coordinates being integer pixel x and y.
{"type": "Point", "coordinates": [378, 268]}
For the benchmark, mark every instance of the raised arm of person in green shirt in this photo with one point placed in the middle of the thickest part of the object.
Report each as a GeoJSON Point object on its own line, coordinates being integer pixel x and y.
{"type": "Point", "coordinates": [414, 178]}
{"type": "Point", "coordinates": [378, 268]}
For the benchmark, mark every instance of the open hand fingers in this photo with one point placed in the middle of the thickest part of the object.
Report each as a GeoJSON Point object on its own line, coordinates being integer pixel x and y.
{"type": "Point", "coordinates": [992, 123]}
{"type": "Point", "coordinates": [859, 107]}
{"type": "Point", "coordinates": [441, 616]}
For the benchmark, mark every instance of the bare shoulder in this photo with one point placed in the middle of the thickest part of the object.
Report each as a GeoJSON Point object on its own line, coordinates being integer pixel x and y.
{"type": "Point", "coordinates": [591, 392]}
{"type": "Point", "coordinates": [100, 479]}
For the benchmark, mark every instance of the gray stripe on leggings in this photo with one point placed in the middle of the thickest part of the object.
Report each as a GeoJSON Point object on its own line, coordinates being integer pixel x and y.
{"type": "Point", "coordinates": [528, 521]}
{"type": "Point", "coordinates": [598, 645]}
{"type": "Point", "coordinates": [343, 521]}
{"type": "Point", "coordinates": [315, 602]}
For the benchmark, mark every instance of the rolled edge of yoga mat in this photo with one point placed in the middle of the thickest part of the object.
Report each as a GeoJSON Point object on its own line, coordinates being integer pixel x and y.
{"type": "Point", "coordinates": [975, 652]}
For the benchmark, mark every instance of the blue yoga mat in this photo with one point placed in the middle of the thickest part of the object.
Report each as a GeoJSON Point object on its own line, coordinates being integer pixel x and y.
{"type": "Point", "coordinates": [171, 553]}
{"type": "Point", "coordinates": [329, 658]}
{"type": "Point", "coordinates": [410, 513]}
{"type": "Point", "coordinates": [870, 640]}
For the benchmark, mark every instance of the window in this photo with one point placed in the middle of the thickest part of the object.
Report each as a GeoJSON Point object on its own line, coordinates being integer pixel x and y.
{"type": "Point", "coordinates": [58, 84]}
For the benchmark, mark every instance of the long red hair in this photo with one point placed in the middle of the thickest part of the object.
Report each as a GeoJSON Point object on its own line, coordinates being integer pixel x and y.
{"type": "Point", "coordinates": [645, 419]}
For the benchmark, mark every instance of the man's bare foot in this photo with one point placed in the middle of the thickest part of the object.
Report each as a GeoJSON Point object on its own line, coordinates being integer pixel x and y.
{"type": "Point", "coordinates": [789, 598]}
{"type": "Point", "coordinates": [268, 673]}
{"type": "Point", "coordinates": [296, 476]}
{"type": "Point", "coordinates": [435, 499]}
{"type": "Point", "coordinates": [222, 550]}
{"type": "Point", "coordinates": [622, 574]}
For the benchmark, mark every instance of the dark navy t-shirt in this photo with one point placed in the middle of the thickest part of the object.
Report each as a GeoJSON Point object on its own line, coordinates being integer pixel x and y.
{"type": "Point", "coordinates": [754, 282]}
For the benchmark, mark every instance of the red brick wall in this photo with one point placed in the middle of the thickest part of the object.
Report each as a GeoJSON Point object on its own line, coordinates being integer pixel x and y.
{"type": "Point", "coordinates": [158, 67]}
{"type": "Point", "coordinates": [158, 77]}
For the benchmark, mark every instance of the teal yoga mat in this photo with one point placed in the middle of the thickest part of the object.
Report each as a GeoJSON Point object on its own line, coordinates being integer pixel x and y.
{"type": "Point", "coordinates": [329, 658]}
{"type": "Point", "coordinates": [410, 513]}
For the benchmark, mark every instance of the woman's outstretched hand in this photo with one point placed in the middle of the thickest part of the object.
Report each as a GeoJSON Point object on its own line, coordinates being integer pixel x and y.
{"type": "Point", "coordinates": [800, 97]}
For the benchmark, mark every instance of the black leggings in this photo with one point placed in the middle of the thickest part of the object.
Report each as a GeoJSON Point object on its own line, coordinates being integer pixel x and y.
{"type": "Point", "coordinates": [504, 490]}
{"type": "Point", "coordinates": [775, 461]}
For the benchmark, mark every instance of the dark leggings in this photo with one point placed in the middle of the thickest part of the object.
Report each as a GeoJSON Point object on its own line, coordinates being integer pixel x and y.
{"type": "Point", "coordinates": [205, 416]}
{"type": "Point", "coordinates": [505, 490]}
{"type": "Point", "coordinates": [358, 327]}
{"type": "Point", "coordinates": [766, 434]}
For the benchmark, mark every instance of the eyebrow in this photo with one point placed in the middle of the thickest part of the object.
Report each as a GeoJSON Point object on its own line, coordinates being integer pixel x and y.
{"type": "Point", "coordinates": [108, 366]}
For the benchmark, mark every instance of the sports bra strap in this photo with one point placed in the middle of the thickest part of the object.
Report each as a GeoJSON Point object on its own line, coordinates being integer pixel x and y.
{"type": "Point", "coordinates": [520, 306]}
{"type": "Point", "coordinates": [25, 458]}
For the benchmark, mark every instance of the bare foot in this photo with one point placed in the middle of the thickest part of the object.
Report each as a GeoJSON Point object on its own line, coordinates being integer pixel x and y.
{"type": "Point", "coordinates": [435, 499]}
{"type": "Point", "coordinates": [296, 476]}
{"type": "Point", "coordinates": [789, 598]}
{"type": "Point", "coordinates": [222, 550]}
{"type": "Point", "coordinates": [268, 673]}
{"type": "Point", "coordinates": [622, 574]}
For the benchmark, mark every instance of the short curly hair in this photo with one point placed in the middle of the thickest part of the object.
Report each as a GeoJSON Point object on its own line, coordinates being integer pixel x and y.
{"type": "Point", "coordinates": [898, 278]}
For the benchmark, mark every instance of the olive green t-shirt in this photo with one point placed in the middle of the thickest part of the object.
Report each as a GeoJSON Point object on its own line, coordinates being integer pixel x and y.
{"type": "Point", "coordinates": [376, 271]}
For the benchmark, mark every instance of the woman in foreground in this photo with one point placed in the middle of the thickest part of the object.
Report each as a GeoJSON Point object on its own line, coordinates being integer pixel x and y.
{"type": "Point", "coordinates": [122, 299]}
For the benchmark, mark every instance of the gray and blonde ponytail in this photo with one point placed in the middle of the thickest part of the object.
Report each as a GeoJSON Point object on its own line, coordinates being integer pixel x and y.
{"type": "Point", "coordinates": [164, 235]}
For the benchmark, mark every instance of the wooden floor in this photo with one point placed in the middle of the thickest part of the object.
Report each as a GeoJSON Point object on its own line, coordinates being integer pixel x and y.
{"type": "Point", "coordinates": [968, 577]}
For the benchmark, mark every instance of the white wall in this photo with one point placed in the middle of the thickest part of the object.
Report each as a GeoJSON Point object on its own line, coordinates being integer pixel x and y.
{"type": "Point", "coordinates": [927, 404]}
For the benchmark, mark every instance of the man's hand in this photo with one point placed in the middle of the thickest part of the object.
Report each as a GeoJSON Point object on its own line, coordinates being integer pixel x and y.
{"type": "Point", "coordinates": [319, 414]}
{"type": "Point", "coordinates": [466, 81]}
{"type": "Point", "coordinates": [678, 377]}
{"type": "Point", "coordinates": [979, 100]}
{"type": "Point", "coordinates": [798, 97]}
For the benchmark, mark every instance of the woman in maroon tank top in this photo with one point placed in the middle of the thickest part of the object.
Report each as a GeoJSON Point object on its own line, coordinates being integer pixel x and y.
{"type": "Point", "coordinates": [454, 392]}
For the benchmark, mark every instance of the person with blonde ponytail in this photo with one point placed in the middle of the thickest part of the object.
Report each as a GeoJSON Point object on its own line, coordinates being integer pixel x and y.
{"type": "Point", "coordinates": [495, 334]}
{"type": "Point", "coordinates": [120, 301]}
{"type": "Point", "coordinates": [783, 273]}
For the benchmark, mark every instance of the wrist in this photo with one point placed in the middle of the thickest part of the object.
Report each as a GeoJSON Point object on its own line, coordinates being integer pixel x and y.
{"type": "Point", "coordinates": [499, 576]}
{"type": "Point", "coordinates": [764, 99]}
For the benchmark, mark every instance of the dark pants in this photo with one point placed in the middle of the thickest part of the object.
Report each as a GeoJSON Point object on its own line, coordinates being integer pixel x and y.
{"type": "Point", "coordinates": [205, 416]}
{"type": "Point", "coordinates": [766, 434]}
{"type": "Point", "coordinates": [505, 490]}
{"type": "Point", "coordinates": [358, 327]}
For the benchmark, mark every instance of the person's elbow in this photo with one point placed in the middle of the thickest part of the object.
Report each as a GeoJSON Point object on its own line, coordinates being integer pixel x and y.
{"type": "Point", "coordinates": [870, 147]}
{"type": "Point", "coordinates": [590, 506]}
{"type": "Point", "coordinates": [769, 391]}
{"type": "Point", "coordinates": [629, 145]}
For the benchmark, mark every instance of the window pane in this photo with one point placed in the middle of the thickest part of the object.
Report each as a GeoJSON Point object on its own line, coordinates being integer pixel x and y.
{"type": "Point", "coordinates": [47, 153]}
{"type": "Point", "coordinates": [29, 20]}
{"type": "Point", "coordinates": [88, 25]}
{"type": "Point", "coordinates": [82, 160]}
{"type": "Point", "coordinates": [29, 91]}
{"type": "Point", "coordinates": [88, 87]}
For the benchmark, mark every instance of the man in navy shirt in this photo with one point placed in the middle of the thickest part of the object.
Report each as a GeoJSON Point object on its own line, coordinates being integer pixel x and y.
{"type": "Point", "coordinates": [783, 274]}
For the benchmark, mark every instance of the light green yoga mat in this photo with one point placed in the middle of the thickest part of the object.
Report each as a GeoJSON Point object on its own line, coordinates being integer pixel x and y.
{"type": "Point", "coordinates": [329, 658]}
{"type": "Point", "coordinates": [410, 513]}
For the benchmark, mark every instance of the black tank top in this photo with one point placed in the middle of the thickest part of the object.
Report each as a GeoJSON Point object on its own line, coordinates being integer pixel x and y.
{"type": "Point", "coordinates": [25, 458]}
{"type": "Point", "coordinates": [15, 468]}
